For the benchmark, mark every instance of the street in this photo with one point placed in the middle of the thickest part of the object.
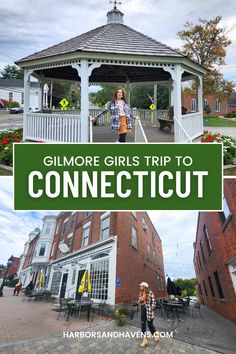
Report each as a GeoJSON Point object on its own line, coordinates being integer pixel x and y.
{"type": "Point", "coordinates": [10, 121]}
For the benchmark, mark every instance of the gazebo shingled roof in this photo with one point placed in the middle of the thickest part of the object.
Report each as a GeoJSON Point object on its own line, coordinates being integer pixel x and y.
{"type": "Point", "coordinates": [111, 38]}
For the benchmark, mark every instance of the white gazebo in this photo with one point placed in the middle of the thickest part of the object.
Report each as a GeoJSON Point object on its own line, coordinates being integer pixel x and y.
{"type": "Point", "coordinates": [113, 53]}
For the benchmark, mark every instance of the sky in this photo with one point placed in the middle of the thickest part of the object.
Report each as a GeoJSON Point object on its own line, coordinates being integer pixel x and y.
{"type": "Point", "coordinates": [25, 29]}
{"type": "Point", "coordinates": [177, 230]}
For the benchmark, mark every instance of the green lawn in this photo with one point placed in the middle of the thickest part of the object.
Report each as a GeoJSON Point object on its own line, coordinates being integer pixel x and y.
{"type": "Point", "coordinates": [218, 122]}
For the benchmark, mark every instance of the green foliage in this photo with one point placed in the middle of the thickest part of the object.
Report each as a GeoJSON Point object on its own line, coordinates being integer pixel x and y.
{"type": "Point", "coordinates": [10, 104]}
{"type": "Point", "coordinates": [120, 316]}
{"type": "Point", "coordinates": [11, 283]}
{"type": "Point", "coordinates": [140, 99]}
{"type": "Point", "coordinates": [207, 109]}
{"type": "Point", "coordinates": [12, 72]}
{"type": "Point", "coordinates": [6, 155]}
{"type": "Point", "coordinates": [187, 286]}
{"type": "Point", "coordinates": [230, 115]}
{"type": "Point", "coordinates": [13, 104]}
{"type": "Point", "coordinates": [104, 95]}
{"type": "Point", "coordinates": [72, 94]}
{"type": "Point", "coordinates": [139, 96]}
{"type": "Point", "coordinates": [6, 145]}
{"type": "Point", "coordinates": [206, 43]}
{"type": "Point", "coordinates": [184, 293]}
{"type": "Point", "coordinates": [229, 144]}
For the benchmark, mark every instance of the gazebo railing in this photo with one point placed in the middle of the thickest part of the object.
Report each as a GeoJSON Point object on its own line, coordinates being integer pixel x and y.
{"type": "Point", "coordinates": [193, 124]}
{"type": "Point", "coordinates": [139, 134]}
{"type": "Point", "coordinates": [181, 134]}
{"type": "Point", "coordinates": [52, 127]}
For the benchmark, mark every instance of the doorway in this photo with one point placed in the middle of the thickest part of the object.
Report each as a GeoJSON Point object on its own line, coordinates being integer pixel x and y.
{"type": "Point", "coordinates": [80, 275]}
{"type": "Point", "coordinates": [63, 285]}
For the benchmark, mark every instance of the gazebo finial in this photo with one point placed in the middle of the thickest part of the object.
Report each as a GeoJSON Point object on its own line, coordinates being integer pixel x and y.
{"type": "Point", "coordinates": [115, 3]}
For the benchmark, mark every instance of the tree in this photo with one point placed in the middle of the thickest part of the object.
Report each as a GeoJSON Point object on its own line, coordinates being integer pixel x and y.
{"type": "Point", "coordinates": [104, 95]}
{"type": "Point", "coordinates": [206, 43]}
{"type": "Point", "coordinates": [12, 72]}
{"type": "Point", "coordinates": [139, 96]}
{"type": "Point", "coordinates": [187, 285]}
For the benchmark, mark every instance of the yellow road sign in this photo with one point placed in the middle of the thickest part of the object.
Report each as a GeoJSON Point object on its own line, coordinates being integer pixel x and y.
{"type": "Point", "coordinates": [152, 107]}
{"type": "Point", "coordinates": [64, 103]}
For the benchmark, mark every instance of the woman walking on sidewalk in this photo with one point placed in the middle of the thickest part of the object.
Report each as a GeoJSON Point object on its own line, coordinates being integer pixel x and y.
{"type": "Point", "coordinates": [121, 115]}
{"type": "Point", "coordinates": [148, 304]}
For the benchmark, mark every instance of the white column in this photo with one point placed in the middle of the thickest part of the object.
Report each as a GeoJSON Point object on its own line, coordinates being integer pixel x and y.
{"type": "Point", "coordinates": [171, 96]}
{"type": "Point", "coordinates": [177, 100]}
{"type": "Point", "coordinates": [27, 74]}
{"type": "Point", "coordinates": [155, 94]}
{"type": "Point", "coordinates": [128, 90]}
{"type": "Point", "coordinates": [40, 95]}
{"type": "Point", "coordinates": [51, 86]}
{"type": "Point", "coordinates": [84, 111]}
{"type": "Point", "coordinates": [84, 71]}
{"type": "Point", "coordinates": [199, 95]}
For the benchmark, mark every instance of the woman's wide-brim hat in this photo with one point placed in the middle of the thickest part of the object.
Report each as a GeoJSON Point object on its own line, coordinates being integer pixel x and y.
{"type": "Point", "coordinates": [144, 284]}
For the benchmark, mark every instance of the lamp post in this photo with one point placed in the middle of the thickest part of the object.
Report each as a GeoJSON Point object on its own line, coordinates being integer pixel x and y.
{"type": "Point", "coordinates": [9, 263]}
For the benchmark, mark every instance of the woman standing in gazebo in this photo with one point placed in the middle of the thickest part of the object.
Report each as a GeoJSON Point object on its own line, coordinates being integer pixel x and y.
{"type": "Point", "coordinates": [121, 115]}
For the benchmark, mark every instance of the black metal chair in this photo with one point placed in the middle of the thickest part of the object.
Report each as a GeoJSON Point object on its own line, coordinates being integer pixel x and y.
{"type": "Point", "coordinates": [99, 308]}
{"type": "Point", "coordinates": [63, 307]}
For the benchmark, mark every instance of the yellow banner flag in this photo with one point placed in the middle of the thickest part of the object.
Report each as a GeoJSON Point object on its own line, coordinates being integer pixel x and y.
{"type": "Point", "coordinates": [85, 285]}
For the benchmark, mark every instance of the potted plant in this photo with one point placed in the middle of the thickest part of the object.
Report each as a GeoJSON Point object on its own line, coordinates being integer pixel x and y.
{"type": "Point", "coordinates": [120, 317]}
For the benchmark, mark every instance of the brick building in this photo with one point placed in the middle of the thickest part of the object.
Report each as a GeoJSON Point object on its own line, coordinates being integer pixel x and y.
{"type": "Point", "coordinates": [120, 249]}
{"type": "Point", "coordinates": [12, 271]}
{"type": "Point", "coordinates": [35, 257]}
{"type": "Point", "coordinates": [215, 255]}
{"type": "Point", "coordinates": [218, 107]}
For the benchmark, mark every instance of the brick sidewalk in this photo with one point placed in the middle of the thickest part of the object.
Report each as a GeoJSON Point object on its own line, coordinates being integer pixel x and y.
{"type": "Point", "coordinates": [57, 344]}
{"type": "Point", "coordinates": [27, 319]}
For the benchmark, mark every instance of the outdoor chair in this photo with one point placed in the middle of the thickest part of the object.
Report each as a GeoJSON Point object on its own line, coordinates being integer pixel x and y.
{"type": "Point", "coordinates": [29, 294]}
{"type": "Point", "coordinates": [197, 309]}
{"type": "Point", "coordinates": [99, 308]}
{"type": "Point", "coordinates": [159, 308]}
{"type": "Point", "coordinates": [63, 307]}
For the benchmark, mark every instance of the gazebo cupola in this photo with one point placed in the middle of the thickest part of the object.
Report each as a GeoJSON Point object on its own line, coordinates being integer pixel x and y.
{"type": "Point", "coordinates": [115, 16]}
{"type": "Point", "coordinates": [111, 53]}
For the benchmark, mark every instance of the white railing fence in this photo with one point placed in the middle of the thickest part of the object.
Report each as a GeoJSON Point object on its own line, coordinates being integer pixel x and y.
{"type": "Point", "coordinates": [193, 124]}
{"type": "Point", "coordinates": [52, 127]}
{"type": "Point", "coordinates": [181, 135]}
{"type": "Point", "coordinates": [139, 134]}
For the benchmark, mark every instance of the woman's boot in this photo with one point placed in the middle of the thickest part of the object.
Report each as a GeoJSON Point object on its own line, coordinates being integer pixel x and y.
{"type": "Point", "coordinates": [144, 342]}
{"type": "Point", "coordinates": [156, 336]}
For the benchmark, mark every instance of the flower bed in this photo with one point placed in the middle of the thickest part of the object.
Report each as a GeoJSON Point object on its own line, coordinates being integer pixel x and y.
{"type": "Point", "coordinates": [7, 139]}
{"type": "Point", "coordinates": [229, 145]}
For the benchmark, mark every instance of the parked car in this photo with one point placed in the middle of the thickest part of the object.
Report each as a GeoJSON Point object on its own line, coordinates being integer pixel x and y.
{"type": "Point", "coordinates": [16, 110]}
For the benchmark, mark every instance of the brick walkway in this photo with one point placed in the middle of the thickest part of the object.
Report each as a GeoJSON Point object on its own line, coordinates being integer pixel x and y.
{"type": "Point", "coordinates": [29, 327]}
{"type": "Point", "coordinates": [57, 344]}
{"type": "Point", "coordinates": [27, 319]}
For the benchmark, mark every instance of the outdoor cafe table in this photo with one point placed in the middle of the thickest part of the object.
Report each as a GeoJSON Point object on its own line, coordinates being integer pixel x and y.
{"type": "Point", "coordinates": [174, 306]}
{"type": "Point", "coordinates": [75, 306]}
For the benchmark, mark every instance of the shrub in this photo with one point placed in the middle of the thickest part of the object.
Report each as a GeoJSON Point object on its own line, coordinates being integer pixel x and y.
{"type": "Point", "coordinates": [120, 317]}
{"type": "Point", "coordinates": [6, 145]}
{"type": "Point", "coordinates": [13, 104]}
{"type": "Point", "coordinates": [229, 145]}
{"type": "Point", "coordinates": [207, 109]}
{"type": "Point", "coordinates": [6, 155]}
{"type": "Point", "coordinates": [11, 283]}
{"type": "Point", "coordinates": [230, 115]}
